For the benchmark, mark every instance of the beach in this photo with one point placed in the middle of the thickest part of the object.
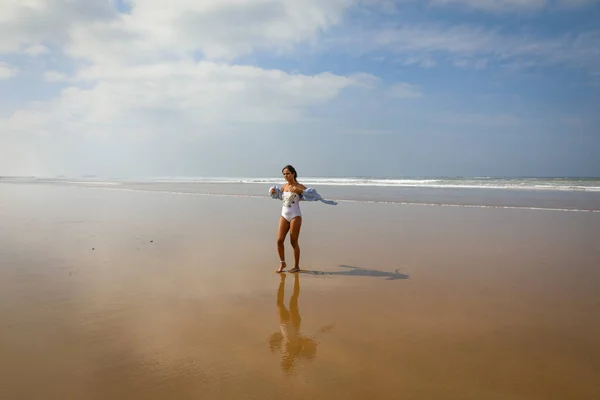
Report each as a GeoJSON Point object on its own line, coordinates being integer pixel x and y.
{"type": "Point", "coordinates": [168, 291]}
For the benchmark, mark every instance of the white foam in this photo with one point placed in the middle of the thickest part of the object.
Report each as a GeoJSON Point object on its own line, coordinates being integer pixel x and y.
{"type": "Point", "coordinates": [99, 183]}
{"type": "Point", "coordinates": [467, 183]}
{"type": "Point", "coordinates": [532, 184]}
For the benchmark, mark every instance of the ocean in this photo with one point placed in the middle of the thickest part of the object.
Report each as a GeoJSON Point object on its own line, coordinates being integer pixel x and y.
{"type": "Point", "coordinates": [558, 193]}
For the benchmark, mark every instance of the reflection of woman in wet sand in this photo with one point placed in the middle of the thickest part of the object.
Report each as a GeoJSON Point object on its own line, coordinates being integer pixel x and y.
{"type": "Point", "coordinates": [293, 345]}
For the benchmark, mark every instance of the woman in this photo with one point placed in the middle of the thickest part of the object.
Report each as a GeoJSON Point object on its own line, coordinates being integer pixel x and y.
{"type": "Point", "coordinates": [291, 217]}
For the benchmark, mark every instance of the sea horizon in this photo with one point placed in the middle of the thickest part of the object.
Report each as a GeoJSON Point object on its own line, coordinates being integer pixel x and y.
{"type": "Point", "coordinates": [562, 183]}
{"type": "Point", "coordinates": [77, 176]}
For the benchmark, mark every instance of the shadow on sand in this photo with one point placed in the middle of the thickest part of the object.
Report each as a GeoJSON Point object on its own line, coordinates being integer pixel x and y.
{"type": "Point", "coordinates": [357, 271]}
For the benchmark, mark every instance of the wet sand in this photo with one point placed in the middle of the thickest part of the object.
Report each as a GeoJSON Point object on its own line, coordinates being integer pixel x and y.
{"type": "Point", "coordinates": [120, 295]}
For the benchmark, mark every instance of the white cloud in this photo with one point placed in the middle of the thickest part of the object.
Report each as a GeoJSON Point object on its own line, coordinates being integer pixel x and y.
{"type": "Point", "coordinates": [186, 93]}
{"type": "Point", "coordinates": [223, 29]}
{"type": "Point", "coordinates": [424, 61]}
{"type": "Point", "coordinates": [19, 156]}
{"type": "Point", "coordinates": [140, 78]}
{"type": "Point", "coordinates": [28, 23]}
{"type": "Point", "coordinates": [113, 109]}
{"type": "Point", "coordinates": [418, 42]}
{"type": "Point", "coordinates": [54, 76]}
{"type": "Point", "coordinates": [6, 71]}
{"type": "Point", "coordinates": [142, 61]}
{"type": "Point", "coordinates": [404, 91]}
{"type": "Point", "coordinates": [387, 6]}
{"type": "Point", "coordinates": [220, 29]}
{"type": "Point", "coordinates": [36, 50]}
{"type": "Point", "coordinates": [136, 75]}
{"type": "Point", "coordinates": [431, 38]}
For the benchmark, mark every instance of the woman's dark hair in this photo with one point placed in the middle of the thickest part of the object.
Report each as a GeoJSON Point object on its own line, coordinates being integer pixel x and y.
{"type": "Point", "coordinates": [292, 170]}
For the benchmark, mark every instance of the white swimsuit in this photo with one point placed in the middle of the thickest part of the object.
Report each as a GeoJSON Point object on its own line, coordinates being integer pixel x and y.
{"type": "Point", "coordinates": [291, 206]}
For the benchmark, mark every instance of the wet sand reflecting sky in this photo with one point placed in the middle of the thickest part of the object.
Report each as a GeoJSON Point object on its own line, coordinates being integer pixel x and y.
{"type": "Point", "coordinates": [144, 295]}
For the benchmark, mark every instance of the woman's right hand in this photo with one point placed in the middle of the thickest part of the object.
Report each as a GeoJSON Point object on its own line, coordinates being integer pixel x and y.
{"type": "Point", "coordinates": [272, 191]}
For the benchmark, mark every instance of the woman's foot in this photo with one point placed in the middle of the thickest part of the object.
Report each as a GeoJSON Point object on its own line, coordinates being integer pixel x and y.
{"type": "Point", "coordinates": [295, 269]}
{"type": "Point", "coordinates": [282, 267]}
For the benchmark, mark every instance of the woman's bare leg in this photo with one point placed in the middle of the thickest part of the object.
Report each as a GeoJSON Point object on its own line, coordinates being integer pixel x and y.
{"type": "Point", "coordinates": [294, 235]}
{"type": "Point", "coordinates": [294, 310]}
{"type": "Point", "coordinates": [284, 314]}
{"type": "Point", "coordinates": [284, 227]}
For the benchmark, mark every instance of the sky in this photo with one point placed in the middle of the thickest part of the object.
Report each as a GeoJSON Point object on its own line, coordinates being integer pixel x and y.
{"type": "Point", "coordinates": [387, 88]}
